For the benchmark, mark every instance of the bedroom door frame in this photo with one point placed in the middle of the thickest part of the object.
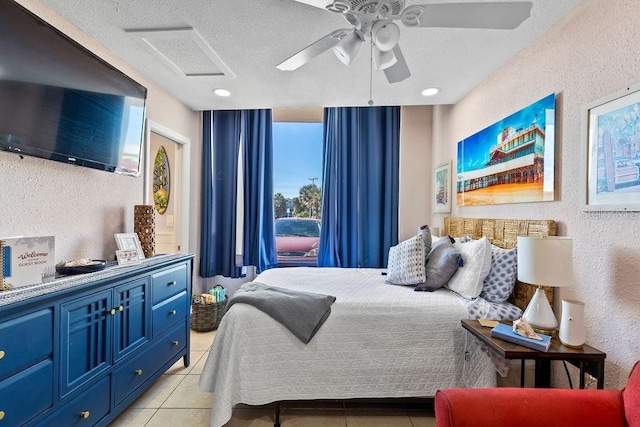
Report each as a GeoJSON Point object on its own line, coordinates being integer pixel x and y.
{"type": "Point", "coordinates": [183, 156]}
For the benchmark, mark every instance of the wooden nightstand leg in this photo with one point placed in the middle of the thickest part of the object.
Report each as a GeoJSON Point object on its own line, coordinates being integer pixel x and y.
{"type": "Point", "coordinates": [522, 365]}
{"type": "Point", "coordinates": [581, 366]}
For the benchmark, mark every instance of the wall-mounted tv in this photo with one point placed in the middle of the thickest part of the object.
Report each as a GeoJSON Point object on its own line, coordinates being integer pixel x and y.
{"type": "Point", "coordinates": [59, 101]}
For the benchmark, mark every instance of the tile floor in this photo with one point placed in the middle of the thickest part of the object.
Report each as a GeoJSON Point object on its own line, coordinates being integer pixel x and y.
{"type": "Point", "coordinates": [176, 400]}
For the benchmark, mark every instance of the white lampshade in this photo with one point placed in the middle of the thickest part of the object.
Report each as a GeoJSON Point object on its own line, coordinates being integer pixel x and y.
{"type": "Point", "coordinates": [348, 47]}
{"type": "Point", "coordinates": [544, 261]}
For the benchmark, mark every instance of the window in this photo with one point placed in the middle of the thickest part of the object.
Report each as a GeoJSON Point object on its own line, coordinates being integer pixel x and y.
{"type": "Point", "coordinates": [297, 181]}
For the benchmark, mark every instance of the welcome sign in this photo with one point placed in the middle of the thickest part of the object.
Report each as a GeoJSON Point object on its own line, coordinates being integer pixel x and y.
{"type": "Point", "coordinates": [24, 259]}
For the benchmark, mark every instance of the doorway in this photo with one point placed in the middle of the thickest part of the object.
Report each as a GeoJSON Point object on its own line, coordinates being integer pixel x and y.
{"type": "Point", "coordinates": [172, 213]}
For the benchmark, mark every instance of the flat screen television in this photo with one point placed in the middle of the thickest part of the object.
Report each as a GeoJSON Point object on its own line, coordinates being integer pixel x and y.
{"type": "Point", "coordinates": [59, 101]}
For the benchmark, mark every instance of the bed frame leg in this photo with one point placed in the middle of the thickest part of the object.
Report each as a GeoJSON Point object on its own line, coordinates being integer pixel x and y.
{"type": "Point", "coordinates": [277, 421]}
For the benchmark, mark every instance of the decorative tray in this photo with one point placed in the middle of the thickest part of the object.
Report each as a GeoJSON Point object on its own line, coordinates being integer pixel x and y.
{"type": "Point", "coordinates": [93, 266]}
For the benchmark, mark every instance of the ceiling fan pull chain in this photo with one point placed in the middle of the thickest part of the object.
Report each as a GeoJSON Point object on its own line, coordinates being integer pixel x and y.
{"type": "Point", "coordinates": [371, 74]}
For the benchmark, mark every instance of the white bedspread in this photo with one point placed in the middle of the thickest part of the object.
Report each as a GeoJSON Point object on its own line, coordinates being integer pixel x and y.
{"type": "Point", "coordinates": [380, 341]}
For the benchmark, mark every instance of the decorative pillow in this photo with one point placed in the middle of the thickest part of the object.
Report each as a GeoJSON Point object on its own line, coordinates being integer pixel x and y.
{"type": "Point", "coordinates": [468, 280]}
{"type": "Point", "coordinates": [425, 233]}
{"type": "Point", "coordinates": [443, 262]}
{"type": "Point", "coordinates": [499, 284]}
{"type": "Point", "coordinates": [406, 262]}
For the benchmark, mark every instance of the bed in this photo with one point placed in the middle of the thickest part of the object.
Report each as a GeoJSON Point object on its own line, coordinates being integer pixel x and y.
{"type": "Point", "coordinates": [380, 340]}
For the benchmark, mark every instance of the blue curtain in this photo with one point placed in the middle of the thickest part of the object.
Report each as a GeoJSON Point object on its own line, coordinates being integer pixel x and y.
{"type": "Point", "coordinates": [360, 186]}
{"type": "Point", "coordinates": [221, 142]}
{"type": "Point", "coordinates": [223, 132]}
{"type": "Point", "coordinates": [259, 234]}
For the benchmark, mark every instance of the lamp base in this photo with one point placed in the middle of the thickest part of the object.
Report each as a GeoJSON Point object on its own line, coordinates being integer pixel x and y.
{"type": "Point", "coordinates": [550, 332]}
{"type": "Point", "coordinates": [539, 314]}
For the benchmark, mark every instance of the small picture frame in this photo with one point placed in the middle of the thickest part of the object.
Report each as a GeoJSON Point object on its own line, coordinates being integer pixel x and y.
{"type": "Point", "coordinates": [129, 242]}
{"type": "Point", "coordinates": [442, 188]}
{"type": "Point", "coordinates": [128, 257]}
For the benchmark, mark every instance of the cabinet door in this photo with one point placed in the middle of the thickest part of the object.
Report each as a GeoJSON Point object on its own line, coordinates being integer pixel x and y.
{"type": "Point", "coordinates": [85, 339]}
{"type": "Point", "coordinates": [131, 320]}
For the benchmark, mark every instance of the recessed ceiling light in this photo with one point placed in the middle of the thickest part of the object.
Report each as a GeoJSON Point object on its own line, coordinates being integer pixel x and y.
{"type": "Point", "coordinates": [222, 92]}
{"type": "Point", "coordinates": [430, 91]}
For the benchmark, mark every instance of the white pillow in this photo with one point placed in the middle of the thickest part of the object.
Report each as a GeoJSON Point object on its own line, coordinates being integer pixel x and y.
{"type": "Point", "coordinates": [468, 280]}
{"type": "Point", "coordinates": [406, 264]}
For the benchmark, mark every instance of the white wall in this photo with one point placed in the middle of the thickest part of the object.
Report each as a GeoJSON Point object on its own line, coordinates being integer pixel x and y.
{"type": "Point", "coordinates": [416, 170]}
{"type": "Point", "coordinates": [591, 53]}
{"type": "Point", "coordinates": [83, 208]}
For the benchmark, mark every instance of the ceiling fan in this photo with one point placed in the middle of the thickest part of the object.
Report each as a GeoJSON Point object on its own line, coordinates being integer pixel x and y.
{"type": "Point", "coordinates": [374, 20]}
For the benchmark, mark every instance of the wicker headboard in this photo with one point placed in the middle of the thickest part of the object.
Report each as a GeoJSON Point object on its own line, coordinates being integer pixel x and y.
{"type": "Point", "coordinates": [504, 233]}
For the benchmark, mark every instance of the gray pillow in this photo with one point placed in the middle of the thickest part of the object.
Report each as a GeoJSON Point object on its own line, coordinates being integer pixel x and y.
{"type": "Point", "coordinates": [425, 233]}
{"type": "Point", "coordinates": [443, 262]}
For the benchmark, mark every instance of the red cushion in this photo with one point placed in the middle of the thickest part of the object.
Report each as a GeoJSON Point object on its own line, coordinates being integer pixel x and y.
{"type": "Point", "coordinates": [528, 407]}
{"type": "Point", "coordinates": [631, 397]}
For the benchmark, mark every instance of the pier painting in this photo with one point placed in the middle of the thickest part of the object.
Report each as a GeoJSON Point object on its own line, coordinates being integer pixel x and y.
{"type": "Point", "coordinates": [511, 161]}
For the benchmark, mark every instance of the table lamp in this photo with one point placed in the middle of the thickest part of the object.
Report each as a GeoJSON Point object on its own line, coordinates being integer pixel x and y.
{"type": "Point", "coordinates": [544, 261]}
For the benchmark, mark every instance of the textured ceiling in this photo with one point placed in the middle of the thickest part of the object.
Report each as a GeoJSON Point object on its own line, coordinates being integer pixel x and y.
{"type": "Point", "coordinates": [237, 44]}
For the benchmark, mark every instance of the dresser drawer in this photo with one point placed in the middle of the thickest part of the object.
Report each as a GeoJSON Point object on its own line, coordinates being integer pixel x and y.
{"type": "Point", "coordinates": [169, 312]}
{"type": "Point", "coordinates": [168, 282]}
{"type": "Point", "coordinates": [25, 340]}
{"type": "Point", "coordinates": [140, 368]}
{"type": "Point", "coordinates": [86, 409]}
{"type": "Point", "coordinates": [25, 395]}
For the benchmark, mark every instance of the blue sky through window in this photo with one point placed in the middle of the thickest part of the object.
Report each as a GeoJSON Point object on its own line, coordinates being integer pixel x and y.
{"type": "Point", "coordinates": [297, 156]}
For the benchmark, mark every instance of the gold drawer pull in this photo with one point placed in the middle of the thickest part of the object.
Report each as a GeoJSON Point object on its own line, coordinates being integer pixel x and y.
{"type": "Point", "coordinates": [172, 312]}
{"type": "Point", "coordinates": [176, 343]}
{"type": "Point", "coordinates": [84, 414]}
{"type": "Point", "coordinates": [172, 283]}
{"type": "Point", "coordinates": [2, 353]}
{"type": "Point", "coordinates": [1, 415]}
{"type": "Point", "coordinates": [138, 371]}
{"type": "Point", "coordinates": [120, 307]}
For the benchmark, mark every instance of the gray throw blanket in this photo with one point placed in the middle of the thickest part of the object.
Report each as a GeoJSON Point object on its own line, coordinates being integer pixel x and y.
{"type": "Point", "coordinates": [303, 313]}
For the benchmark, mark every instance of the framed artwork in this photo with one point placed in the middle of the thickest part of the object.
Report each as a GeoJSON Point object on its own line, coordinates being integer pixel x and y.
{"type": "Point", "coordinates": [442, 188]}
{"type": "Point", "coordinates": [129, 242]}
{"type": "Point", "coordinates": [611, 134]}
{"type": "Point", "coordinates": [161, 181]}
{"type": "Point", "coordinates": [511, 161]}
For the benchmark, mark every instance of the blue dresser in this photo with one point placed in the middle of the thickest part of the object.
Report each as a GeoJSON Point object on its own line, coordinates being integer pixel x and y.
{"type": "Point", "coordinates": [77, 351]}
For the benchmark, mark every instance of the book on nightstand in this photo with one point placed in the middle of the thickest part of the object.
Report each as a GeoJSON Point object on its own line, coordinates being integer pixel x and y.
{"type": "Point", "coordinates": [505, 332]}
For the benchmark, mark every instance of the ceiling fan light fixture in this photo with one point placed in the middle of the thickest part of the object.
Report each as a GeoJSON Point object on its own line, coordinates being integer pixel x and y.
{"type": "Point", "coordinates": [385, 34]}
{"type": "Point", "coordinates": [348, 47]}
{"type": "Point", "coordinates": [383, 59]}
{"type": "Point", "coordinates": [430, 91]}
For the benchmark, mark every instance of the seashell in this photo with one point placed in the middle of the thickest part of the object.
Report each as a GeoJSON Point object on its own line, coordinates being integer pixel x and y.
{"type": "Point", "coordinates": [521, 327]}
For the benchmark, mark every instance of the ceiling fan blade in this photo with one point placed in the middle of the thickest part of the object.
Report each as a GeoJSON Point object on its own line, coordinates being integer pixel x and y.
{"type": "Point", "coordinates": [492, 15]}
{"type": "Point", "coordinates": [322, 4]}
{"type": "Point", "coordinates": [313, 50]}
{"type": "Point", "coordinates": [398, 71]}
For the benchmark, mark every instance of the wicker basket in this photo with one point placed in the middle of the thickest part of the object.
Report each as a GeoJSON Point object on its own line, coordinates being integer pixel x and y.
{"type": "Point", "coordinates": [206, 317]}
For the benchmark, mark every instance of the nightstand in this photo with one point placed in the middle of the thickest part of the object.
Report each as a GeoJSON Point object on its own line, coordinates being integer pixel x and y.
{"type": "Point", "coordinates": [588, 359]}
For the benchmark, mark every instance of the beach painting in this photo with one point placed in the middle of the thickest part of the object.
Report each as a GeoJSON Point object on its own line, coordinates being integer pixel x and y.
{"type": "Point", "coordinates": [511, 161]}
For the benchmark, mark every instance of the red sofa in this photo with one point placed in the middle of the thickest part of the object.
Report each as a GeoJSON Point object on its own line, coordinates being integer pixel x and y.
{"type": "Point", "coordinates": [528, 407]}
